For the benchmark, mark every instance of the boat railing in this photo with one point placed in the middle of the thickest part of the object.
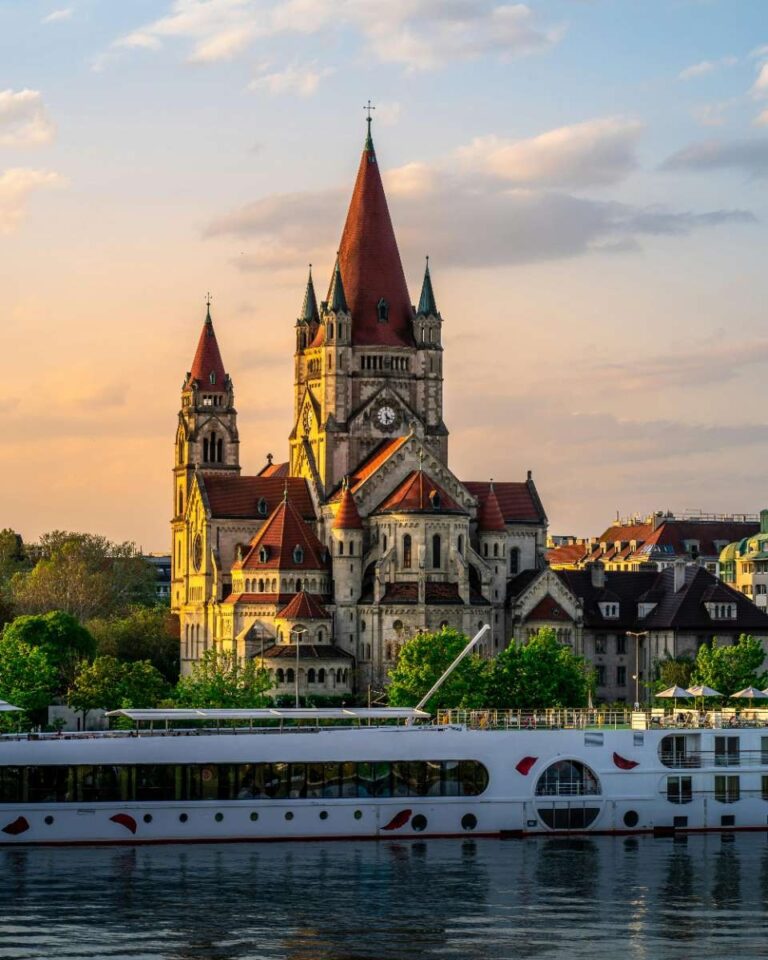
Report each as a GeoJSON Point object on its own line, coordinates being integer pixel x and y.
{"type": "Point", "coordinates": [559, 718]}
{"type": "Point", "coordinates": [709, 758]}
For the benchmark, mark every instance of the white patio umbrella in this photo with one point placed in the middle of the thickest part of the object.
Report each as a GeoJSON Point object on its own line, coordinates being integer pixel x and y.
{"type": "Point", "coordinates": [6, 707]}
{"type": "Point", "coordinates": [749, 693]}
{"type": "Point", "coordinates": [675, 693]}
{"type": "Point", "coordinates": [703, 691]}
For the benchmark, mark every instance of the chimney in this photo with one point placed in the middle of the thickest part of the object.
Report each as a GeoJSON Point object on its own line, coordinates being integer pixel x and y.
{"type": "Point", "coordinates": [597, 571]}
{"type": "Point", "coordinates": [679, 575]}
{"type": "Point", "coordinates": [764, 521]}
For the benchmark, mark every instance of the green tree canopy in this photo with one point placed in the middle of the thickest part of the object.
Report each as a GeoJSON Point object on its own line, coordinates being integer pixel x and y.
{"type": "Point", "coordinates": [28, 677]}
{"type": "Point", "coordinates": [64, 640]}
{"type": "Point", "coordinates": [13, 560]}
{"type": "Point", "coordinates": [424, 658]}
{"type": "Point", "coordinates": [144, 633]}
{"type": "Point", "coordinates": [221, 679]}
{"type": "Point", "coordinates": [543, 672]}
{"type": "Point", "coordinates": [84, 575]}
{"type": "Point", "coordinates": [108, 684]}
{"type": "Point", "coordinates": [728, 669]}
{"type": "Point", "coordinates": [674, 672]}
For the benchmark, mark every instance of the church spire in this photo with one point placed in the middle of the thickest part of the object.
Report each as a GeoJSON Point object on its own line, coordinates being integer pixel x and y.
{"type": "Point", "coordinates": [207, 366]}
{"type": "Point", "coordinates": [369, 261]}
{"type": "Point", "coordinates": [309, 312]}
{"type": "Point", "coordinates": [336, 298]}
{"type": "Point", "coordinates": [427, 305]}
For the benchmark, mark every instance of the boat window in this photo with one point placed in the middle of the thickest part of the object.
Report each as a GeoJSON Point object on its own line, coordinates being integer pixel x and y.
{"type": "Point", "coordinates": [727, 789]}
{"type": "Point", "coordinates": [679, 790]}
{"type": "Point", "coordinates": [568, 778]}
{"type": "Point", "coordinates": [568, 818]}
{"type": "Point", "coordinates": [247, 781]}
{"type": "Point", "coordinates": [726, 751]}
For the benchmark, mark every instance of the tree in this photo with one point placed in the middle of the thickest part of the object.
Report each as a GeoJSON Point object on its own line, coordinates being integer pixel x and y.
{"type": "Point", "coordinates": [109, 684]}
{"type": "Point", "coordinates": [145, 633]}
{"type": "Point", "coordinates": [424, 658]}
{"type": "Point", "coordinates": [728, 669]}
{"type": "Point", "coordinates": [84, 575]}
{"type": "Point", "coordinates": [13, 560]}
{"type": "Point", "coordinates": [221, 679]}
{"type": "Point", "coordinates": [674, 672]}
{"type": "Point", "coordinates": [540, 673]}
{"type": "Point", "coordinates": [28, 677]}
{"type": "Point", "coordinates": [64, 640]}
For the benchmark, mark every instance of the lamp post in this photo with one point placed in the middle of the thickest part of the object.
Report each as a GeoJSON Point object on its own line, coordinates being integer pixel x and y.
{"type": "Point", "coordinates": [298, 632]}
{"type": "Point", "coordinates": [636, 674]}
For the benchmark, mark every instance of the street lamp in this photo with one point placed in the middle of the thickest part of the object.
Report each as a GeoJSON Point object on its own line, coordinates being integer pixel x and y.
{"type": "Point", "coordinates": [636, 674]}
{"type": "Point", "coordinates": [298, 632]}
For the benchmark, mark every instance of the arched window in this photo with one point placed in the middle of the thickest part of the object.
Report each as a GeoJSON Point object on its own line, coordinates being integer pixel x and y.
{"type": "Point", "coordinates": [205, 450]}
{"type": "Point", "coordinates": [298, 554]}
{"type": "Point", "coordinates": [569, 778]}
{"type": "Point", "coordinates": [320, 635]}
{"type": "Point", "coordinates": [351, 547]}
{"type": "Point", "coordinates": [280, 675]}
{"type": "Point", "coordinates": [341, 548]}
{"type": "Point", "coordinates": [290, 676]}
{"type": "Point", "coordinates": [514, 560]}
{"type": "Point", "coordinates": [460, 545]}
{"type": "Point", "coordinates": [382, 309]}
{"type": "Point", "coordinates": [311, 675]}
{"type": "Point", "coordinates": [384, 544]}
{"type": "Point", "coordinates": [485, 549]}
{"type": "Point", "coordinates": [321, 675]}
{"type": "Point", "coordinates": [220, 451]}
{"type": "Point", "coordinates": [212, 447]}
{"type": "Point", "coordinates": [330, 331]}
{"type": "Point", "coordinates": [181, 501]}
{"type": "Point", "coordinates": [495, 549]}
{"type": "Point", "coordinates": [407, 551]}
{"type": "Point", "coordinates": [436, 550]}
{"type": "Point", "coordinates": [261, 586]}
{"type": "Point", "coordinates": [261, 507]}
{"type": "Point", "coordinates": [298, 585]}
{"type": "Point", "coordinates": [263, 554]}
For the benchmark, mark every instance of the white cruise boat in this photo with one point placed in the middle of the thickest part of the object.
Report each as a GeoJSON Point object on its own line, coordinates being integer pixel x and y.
{"type": "Point", "coordinates": [385, 773]}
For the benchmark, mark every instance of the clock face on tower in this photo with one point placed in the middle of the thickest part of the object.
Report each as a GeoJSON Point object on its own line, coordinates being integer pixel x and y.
{"type": "Point", "coordinates": [386, 416]}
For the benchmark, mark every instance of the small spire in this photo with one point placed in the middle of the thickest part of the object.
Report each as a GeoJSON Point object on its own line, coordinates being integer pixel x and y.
{"type": "Point", "coordinates": [427, 304]}
{"type": "Point", "coordinates": [285, 491]}
{"type": "Point", "coordinates": [369, 139]}
{"type": "Point", "coordinates": [309, 312]}
{"type": "Point", "coordinates": [336, 298]}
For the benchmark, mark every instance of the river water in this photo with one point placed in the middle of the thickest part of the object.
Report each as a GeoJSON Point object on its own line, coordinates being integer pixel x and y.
{"type": "Point", "coordinates": [698, 897]}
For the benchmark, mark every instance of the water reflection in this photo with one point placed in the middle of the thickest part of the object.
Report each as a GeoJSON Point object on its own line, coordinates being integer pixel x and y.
{"type": "Point", "coordinates": [474, 900]}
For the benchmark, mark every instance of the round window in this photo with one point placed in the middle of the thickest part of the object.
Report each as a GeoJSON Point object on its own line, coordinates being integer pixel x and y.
{"type": "Point", "coordinates": [289, 816]}
{"type": "Point", "coordinates": [219, 817]}
{"type": "Point", "coordinates": [468, 821]}
{"type": "Point", "coordinates": [419, 822]}
{"type": "Point", "coordinates": [254, 815]}
{"type": "Point", "coordinates": [568, 778]}
{"type": "Point", "coordinates": [631, 818]}
{"type": "Point", "coordinates": [183, 817]}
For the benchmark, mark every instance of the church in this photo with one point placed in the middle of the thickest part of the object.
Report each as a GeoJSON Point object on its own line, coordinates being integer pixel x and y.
{"type": "Point", "coordinates": [323, 566]}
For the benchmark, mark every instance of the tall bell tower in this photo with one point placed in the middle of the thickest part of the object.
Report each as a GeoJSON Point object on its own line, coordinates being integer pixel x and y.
{"type": "Point", "coordinates": [368, 364]}
{"type": "Point", "coordinates": [206, 435]}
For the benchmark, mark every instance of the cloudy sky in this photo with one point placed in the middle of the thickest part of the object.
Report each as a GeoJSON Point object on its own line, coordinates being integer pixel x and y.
{"type": "Point", "coordinates": [588, 176]}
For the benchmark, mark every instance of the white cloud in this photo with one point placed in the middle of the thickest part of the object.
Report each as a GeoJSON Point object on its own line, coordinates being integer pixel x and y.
{"type": "Point", "coordinates": [760, 87]}
{"type": "Point", "coordinates": [56, 16]}
{"type": "Point", "coordinates": [301, 81]}
{"type": "Point", "coordinates": [706, 66]}
{"type": "Point", "coordinates": [24, 121]}
{"type": "Point", "coordinates": [713, 114]}
{"type": "Point", "coordinates": [761, 120]}
{"type": "Point", "coordinates": [16, 185]}
{"type": "Point", "coordinates": [746, 156]}
{"type": "Point", "coordinates": [419, 34]}
{"type": "Point", "coordinates": [592, 153]}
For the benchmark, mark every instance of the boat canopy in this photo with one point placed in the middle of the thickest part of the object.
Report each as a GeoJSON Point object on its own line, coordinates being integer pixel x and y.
{"type": "Point", "coordinates": [274, 713]}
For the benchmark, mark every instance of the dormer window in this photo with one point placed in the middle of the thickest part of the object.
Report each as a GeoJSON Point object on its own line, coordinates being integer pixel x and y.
{"type": "Point", "coordinates": [722, 611]}
{"type": "Point", "coordinates": [298, 554]}
{"type": "Point", "coordinates": [434, 499]}
{"type": "Point", "coordinates": [643, 609]}
{"type": "Point", "coordinates": [261, 507]}
{"type": "Point", "coordinates": [382, 309]}
{"type": "Point", "coordinates": [609, 611]}
{"type": "Point", "coordinates": [212, 376]}
{"type": "Point", "coordinates": [263, 554]}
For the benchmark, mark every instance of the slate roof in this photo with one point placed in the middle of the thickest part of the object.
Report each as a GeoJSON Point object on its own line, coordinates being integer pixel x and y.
{"type": "Point", "coordinates": [238, 497]}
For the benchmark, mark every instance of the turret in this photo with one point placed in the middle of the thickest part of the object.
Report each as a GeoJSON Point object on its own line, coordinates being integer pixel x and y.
{"type": "Point", "coordinates": [492, 536]}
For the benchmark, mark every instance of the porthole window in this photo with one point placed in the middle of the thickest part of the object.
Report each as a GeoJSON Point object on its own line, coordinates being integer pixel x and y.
{"type": "Point", "coordinates": [568, 778]}
{"type": "Point", "coordinates": [219, 817]}
{"type": "Point", "coordinates": [49, 820]}
{"type": "Point", "coordinates": [323, 814]}
{"type": "Point", "coordinates": [254, 815]}
{"type": "Point", "coordinates": [631, 818]}
{"type": "Point", "coordinates": [147, 818]}
{"type": "Point", "coordinates": [358, 814]}
{"type": "Point", "coordinates": [468, 821]}
{"type": "Point", "coordinates": [289, 815]}
{"type": "Point", "coordinates": [183, 818]}
{"type": "Point", "coordinates": [419, 822]}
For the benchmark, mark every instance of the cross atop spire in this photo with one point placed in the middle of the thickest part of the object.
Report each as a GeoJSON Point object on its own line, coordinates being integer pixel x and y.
{"type": "Point", "coordinates": [427, 305]}
{"type": "Point", "coordinates": [369, 140]}
{"type": "Point", "coordinates": [208, 299]}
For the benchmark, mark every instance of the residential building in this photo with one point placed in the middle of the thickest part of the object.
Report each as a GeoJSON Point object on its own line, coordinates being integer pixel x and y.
{"type": "Point", "coordinates": [744, 564]}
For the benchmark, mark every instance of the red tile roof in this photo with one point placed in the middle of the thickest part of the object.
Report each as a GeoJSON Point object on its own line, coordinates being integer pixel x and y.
{"type": "Point", "coordinates": [518, 501]}
{"type": "Point", "coordinates": [372, 462]}
{"type": "Point", "coordinates": [419, 493]}
{"type": "Point", "coordinates": [307, 651]}
{"type": "Point", "coordinates": [271, 469]}
{"type": "Point", "coordinates": [208, 361]}
{"type": "Point", "coordinates": [284, 531]}
{"type": "Point", "coordinates": [238, 497]}
{"type": "Point", "coordinates": [566, 553]}
{"type": "Point", "coordinates": [369, 262]}
{"type": "Point", "coordinates": [347, 516]}
{"type": "Point", "coordinates": [490, 518]}
{"type": "Point", "coordinates": [304, 606]}
{"type": "Point", "coordinates": [269, 599]}
{"type": "Point", "coordinates": [548, 609]}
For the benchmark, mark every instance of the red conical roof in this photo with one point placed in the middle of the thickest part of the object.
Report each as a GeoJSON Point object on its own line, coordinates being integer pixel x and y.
{"type": "Point", "coordinates": [304, 606]}
{"type": "Point", "coordinates": [490, 518]}
{"type": "Point", "coordinates": [347, 516]}
{"type": "Point", "coordinates": [208, 367]}
{"type": "Point", "coordinates": [369, 262]}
